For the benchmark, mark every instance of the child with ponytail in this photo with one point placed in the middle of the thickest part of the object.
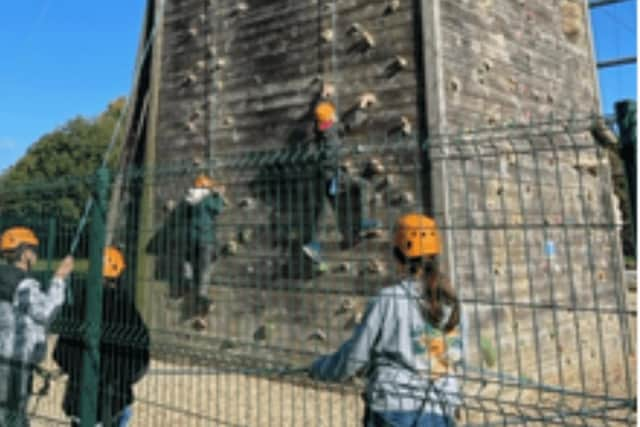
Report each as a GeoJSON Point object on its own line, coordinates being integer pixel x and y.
{"type": "Point", "coordinates": [408, 343]}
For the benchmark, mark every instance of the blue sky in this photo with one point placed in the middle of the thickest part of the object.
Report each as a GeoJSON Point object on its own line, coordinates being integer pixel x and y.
{"type": "Point", "coordinates": [59, 59]}
{"type": "Point", "coordinates": [614, 28]}
{"type": "Point", "coordinates": [62, 58]}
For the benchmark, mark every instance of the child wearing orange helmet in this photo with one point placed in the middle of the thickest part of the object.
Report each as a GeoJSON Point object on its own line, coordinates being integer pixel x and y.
{"type": "Point", "coordinates": [26, 311]}
{"type": "Point", "coordinates": [124, 349]}
{"type": "Point", "coordinates": [205, 201]}
{"type": "Point", "coordinates": [409, 341]}
{"type": "Point", "coordinates": [336, 180]}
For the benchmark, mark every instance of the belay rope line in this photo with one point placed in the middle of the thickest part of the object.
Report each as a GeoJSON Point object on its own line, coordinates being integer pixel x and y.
{"type": "Point", "coordinates": [46, 375]}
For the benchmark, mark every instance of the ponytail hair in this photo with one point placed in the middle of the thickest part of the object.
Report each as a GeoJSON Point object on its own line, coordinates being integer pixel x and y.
{"type": "Point", "coordinates": [437, 291]}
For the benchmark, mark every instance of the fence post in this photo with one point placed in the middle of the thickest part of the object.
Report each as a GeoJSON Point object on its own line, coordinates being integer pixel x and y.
{"type": "Point", "coordinates": [626, 119]}
{"type": "Point", "coordinates": [51, 240]}
{"type": "Point", "coordinates": [93, 308]}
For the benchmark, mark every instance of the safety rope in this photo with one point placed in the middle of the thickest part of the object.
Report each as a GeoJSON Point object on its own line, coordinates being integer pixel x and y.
{"type": "Point", "coordinates": [210, 103]}
{"type": "Point", "coordinates": [47, 377]}
{"type": "Point", "coordinates": [116, 131]}
{"type": "Point", "coordinates": [334, 55]}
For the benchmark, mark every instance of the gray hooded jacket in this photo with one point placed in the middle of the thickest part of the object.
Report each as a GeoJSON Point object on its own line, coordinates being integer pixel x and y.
{"type": "Point", "coordinates": [409, 364]}
{"type": "Point", "coordinates": [26, 310]}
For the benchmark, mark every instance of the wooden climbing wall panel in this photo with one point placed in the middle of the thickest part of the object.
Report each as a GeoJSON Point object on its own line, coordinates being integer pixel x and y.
{"type": "Point", "coordinates": [245, 76]}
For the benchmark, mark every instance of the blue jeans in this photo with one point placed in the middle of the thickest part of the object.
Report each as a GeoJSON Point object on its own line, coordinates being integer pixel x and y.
{"type": "Point", "coordinates": [406, 419]}
{"type": "Point", "coordinates": [125, 416]}
{"type": "Point", "coordinates": [122, 419]}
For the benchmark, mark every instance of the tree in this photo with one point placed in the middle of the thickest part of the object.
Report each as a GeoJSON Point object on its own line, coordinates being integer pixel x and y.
{"type": "Point", "coordinates": [51, 178]}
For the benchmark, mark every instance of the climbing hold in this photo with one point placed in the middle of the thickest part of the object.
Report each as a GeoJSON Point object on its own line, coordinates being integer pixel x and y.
{"type": "Point", "coordinates": [230, 248]}
{"type": "Point", "coordinates": [328, 90]}
{"type": "Point", "coordinates": [247, 203]}
{"type": "Point", "coordinates": [198, 162]}
{"type": "Point", "coordinates": [192, 32]}
{"type": "Point", "coordinates": [202, 18]}
{"type": "Point", "coordinates": [169, 205]}
{"type": "Point", "coordinates": [364, 39]}
{"type": "Point", "coordinates": [535, 95]}
{"type": "Point", "coordinates": [346, 165]}
{"type": "Point", "coordinates": [190, 126]}
{"type": "Point", "coordinates": [571, 19]}
{"type": "Point", "coordinates": [227, 344]}
{"type": "Point", "coordinates": [374, 233]}
{"type": "Point", "coordinates": [374, 167]}
{"type": "Point", "coordinates": [245, 235]}
{"type": "Point", "coordinates": [343, 267]}
{"type": "Point", "coordinates": [317, 335]}
{"type": "Point", "coordinates": [240, 7]}
{"type": "Point", "coordinates": [353, 321]}
{"type": "Point", "coordinates": [454, 85]}
{"type": "Point", "coordinates": [195, 115]}
{"type": "Point", "coordinates": [189, 79]}
{"type": "Point", "coordinates": [346, 306]}
{"type": "Point", "coordinates": [367, 100]}
{"type": "Point", "coordinates": [327, 35]}
{"type": "Point", "coordinates": [405, 126]}
{"type": "Point", "coordinates": [392, 7]}
{"type": "Point", "coordinates": [387, 181]}
{"type": "Point", "coordinates": [228, 121]}
{"type": "Point", "coordinates": [373, 267]}
{"type": "Point", "coordinates": [200, 65]}
{"type": "Point", "coordinates": [219, 85]}
{"type": "Point", "coordinates": [492, 119]}
{"type": "Point", "coordinates": [221, 63]}
{"type": "Point", "coordinates": [603, 133]}
{"type": "Point", "coordinates": [261, 334]}
{"type": "Point", "coordinates": [355, 29]}
{"type": "Point", "coordinates": [398, 64]}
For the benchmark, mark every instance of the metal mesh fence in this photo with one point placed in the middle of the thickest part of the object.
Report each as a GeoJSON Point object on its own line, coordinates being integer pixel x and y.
{"type": "Point", "coordinates": [282, 267]}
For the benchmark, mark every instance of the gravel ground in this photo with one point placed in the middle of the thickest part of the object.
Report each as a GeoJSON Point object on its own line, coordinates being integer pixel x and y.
{"type": "Point", "coordinates": [174, 395]}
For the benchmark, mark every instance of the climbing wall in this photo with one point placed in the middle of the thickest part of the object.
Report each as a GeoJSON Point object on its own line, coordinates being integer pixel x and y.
{"type": "Point", "coordinates": [235, 91]}
{"type": "Point", "coordinates": [528, 200]}
{"type": "Point", "coordinates": [245, 76]}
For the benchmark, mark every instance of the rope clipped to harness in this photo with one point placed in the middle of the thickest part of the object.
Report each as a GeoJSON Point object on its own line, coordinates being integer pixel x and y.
{"type": "Point", "coordinates": [47, 377]}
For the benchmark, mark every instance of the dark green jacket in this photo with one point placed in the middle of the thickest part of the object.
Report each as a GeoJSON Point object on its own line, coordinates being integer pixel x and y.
{"type": "Point", "coordinates": [200, 227]}
{"type": "Point", "coordinates": [187, 226]}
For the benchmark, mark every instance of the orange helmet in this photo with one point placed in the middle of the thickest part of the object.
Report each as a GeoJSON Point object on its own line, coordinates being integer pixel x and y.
{"type": "Point", "coordinates": [113, 263]}
{"type": "Point", "coordinates": [203, 181]}
{"type": "Point", "coordinates": [416, 236]}
{"type": "Point", "coordinates": [325, 112]}
{"type": "Point", "coordinates": [14, 237]}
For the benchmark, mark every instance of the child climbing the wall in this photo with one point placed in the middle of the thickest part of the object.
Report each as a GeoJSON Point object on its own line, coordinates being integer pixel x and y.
{"type": "Point", "coordinates": [334, 180]}
{"type": "Point", "coordinates": [124, 350]}
{"type": "Point", "coordinates": [409, 342]}
{"type": "Point", "coordinates": [205, 201]}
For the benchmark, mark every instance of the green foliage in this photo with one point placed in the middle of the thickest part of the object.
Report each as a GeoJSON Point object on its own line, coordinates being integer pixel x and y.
{"type": "Point", "coordinates": [74, 150]}
{"type": "Point", "coordinates": [488, 351]}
